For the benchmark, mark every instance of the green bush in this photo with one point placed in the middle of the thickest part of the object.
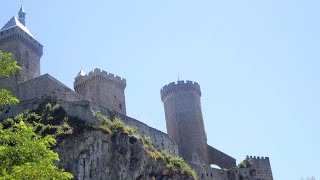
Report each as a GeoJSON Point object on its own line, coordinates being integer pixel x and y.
{"type": "Point", "coordinates": [115, 125]}
{"type": "Point", "coordinates": [242, 165]}
{"type": "Point", "coordinates": [173, 163]}
{"type": "Point", "coordinates": [178, 165]}
{"type": "Point", "coordinates": [24, 154]}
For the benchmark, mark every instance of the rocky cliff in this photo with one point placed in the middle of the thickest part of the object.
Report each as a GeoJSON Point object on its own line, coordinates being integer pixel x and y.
{"type": "Point", "coordinates": [97, 155]}
{"type": "Point", "coordinates": [101, 148]}
{"type": "Point", "coordinates": [93, 143]}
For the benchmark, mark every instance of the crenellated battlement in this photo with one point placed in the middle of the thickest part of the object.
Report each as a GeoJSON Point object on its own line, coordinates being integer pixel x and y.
{"type": "Point", "coordinates": [178, 87]}
{"type": "Point", "coordinates": [257, 158]}
{"type": "Point", "coordinates": [103, 88]}
{"type": "Point", "coordinates": [98, 73]}
{"type": "Point", "coordinates": [261, 167]}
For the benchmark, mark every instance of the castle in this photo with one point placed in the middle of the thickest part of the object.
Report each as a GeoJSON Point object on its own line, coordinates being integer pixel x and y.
{"type": "Point", "coordinates": [105, 91]}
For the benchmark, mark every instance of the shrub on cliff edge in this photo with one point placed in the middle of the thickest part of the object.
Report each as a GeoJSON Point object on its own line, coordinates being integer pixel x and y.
{"type": "Point", "coordinates": [25, 154]}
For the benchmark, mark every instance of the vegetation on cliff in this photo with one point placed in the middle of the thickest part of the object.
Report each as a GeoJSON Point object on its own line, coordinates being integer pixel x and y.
{"type": "Point", "coordinates": [174, 165]}
{"type": "Point", "coordinates": [25, 149]}
{"type": "Point", "coordinates": [48, 121]}
{"type": "Point", "coordinates": [24, 154]}
{"type": "Point", "coordinates": [26, 140]}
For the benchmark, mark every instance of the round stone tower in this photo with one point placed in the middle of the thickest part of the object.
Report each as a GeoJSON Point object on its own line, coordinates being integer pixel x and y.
{"type": "Point", "coordinates": [184, 120]}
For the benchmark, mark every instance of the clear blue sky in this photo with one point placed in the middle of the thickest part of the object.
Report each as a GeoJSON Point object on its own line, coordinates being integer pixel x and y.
{"type": "Point", "coordinates": [257, 63]}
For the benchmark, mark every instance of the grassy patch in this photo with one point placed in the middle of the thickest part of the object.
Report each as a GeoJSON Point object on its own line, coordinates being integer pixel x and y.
{"type": "Point", "coordinates": [114, 125]}
{"type": "Point", "coordinates": [178, 165]}
{"type": "Point", "coordinates": [174, 164]}
{"type": "Point", "coordinates": [49, 118]}
{"type": "Point", "coordinates": [242, 165]}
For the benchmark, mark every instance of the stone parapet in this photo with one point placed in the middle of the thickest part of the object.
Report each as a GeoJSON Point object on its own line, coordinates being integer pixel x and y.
{"type": "Point", "coordinates": [257, 158]}
{"type": "Point", "coordinates": [97, 73]}
{"type": "Point", "coordinates": [179, 86]}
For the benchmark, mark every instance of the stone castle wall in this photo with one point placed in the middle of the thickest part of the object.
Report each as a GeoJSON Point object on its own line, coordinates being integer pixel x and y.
{"type": "Point", "coordinates": [258, 168]}
{"type": "Point", "coordinates": [16, 33]}
{"type": "Point", "coordinates": [261, 166]}
{"type": "Point", "coordinates": [46, 86]}
{"type": "Point", "coordinates": [85, 109]}
{"type": "Point", "coordinates": [220, 159]}
{"type": "Point", "coordinates": [208, 173]}
{"type": "Point", "coordinates": [240, 174]}
{"type": "Point", "coordinates": [184, 119]}
{"type": "Point", "coordinates": [103, 88]}
{"type": "Point", "coordinates": [26, 50]}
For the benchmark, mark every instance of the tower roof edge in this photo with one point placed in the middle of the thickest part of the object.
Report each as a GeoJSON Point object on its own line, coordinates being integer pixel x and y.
{"type": "Point", "coordinates": [14, 22]}
{"type": "Point", "coordinates": [81, 73]}
{"type": "Point", "coordinates": [21, 10]}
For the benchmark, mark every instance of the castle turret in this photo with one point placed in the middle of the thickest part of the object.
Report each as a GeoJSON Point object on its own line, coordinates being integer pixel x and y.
{"type": "Point", "coordinates": [184, 119]}
{"type": "Point", "coordinates": [102, 88]}
{"type": "Point", "coordinates": [27, 51]}
{"type": "Point", "coordinates": [22, 16]}
{"type": "Point", "coordinates": [261, 167]}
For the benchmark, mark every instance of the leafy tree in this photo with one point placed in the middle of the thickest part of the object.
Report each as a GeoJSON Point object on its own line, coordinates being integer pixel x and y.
{"type": "Point", "coordinates": [25, 154]}
{"type": "Point", "coordinates": [7, 68]}
{"type": "Point", "coordinates": [6, 98]}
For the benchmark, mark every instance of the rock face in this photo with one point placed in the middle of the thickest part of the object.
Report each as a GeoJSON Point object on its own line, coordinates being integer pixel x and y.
{"type": "Point", "coordinates": [88, 152]}
{"type": "Point", "coordinates": [93, 154]}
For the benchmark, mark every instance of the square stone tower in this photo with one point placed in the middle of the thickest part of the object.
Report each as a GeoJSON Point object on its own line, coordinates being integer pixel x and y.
{"type": "Point", "coordinates": [102, 88]}
{"type": "Point", "coordinates": [27, 51]}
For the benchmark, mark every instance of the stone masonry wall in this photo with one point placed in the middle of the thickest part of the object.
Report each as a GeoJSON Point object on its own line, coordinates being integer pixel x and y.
{"type": "Point", "coordinates": [84, 110]}
{"type": "Point", "coordinates": [240, 174]}
{"type": "Point", "coordinates": [220, 159]}
{"type": "Point", "coordinates": [26, 50]}
{"type": "Point", "coordinates": [261, 167]}
{"type": "Point", "coordinates": [16, 33]}
{"type": "Point", "coordinates": [46, 86]}
{"type": "Point", "coordinates": [184, 119]}
{"type": "Point", "coordinates": [208, 173]}
{"type": "Point", "coordinates": [103, 88]}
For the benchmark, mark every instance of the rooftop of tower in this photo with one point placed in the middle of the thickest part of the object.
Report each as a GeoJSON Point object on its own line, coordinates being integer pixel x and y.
{"type": "Point", "coordinates": [179, 86]}
{"type": "Point", "coordinates": [22, 10]}
{"type": "Point", "coordinates": [14, 22]}
{"type": "Point", "coordinates": [82, 77]}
